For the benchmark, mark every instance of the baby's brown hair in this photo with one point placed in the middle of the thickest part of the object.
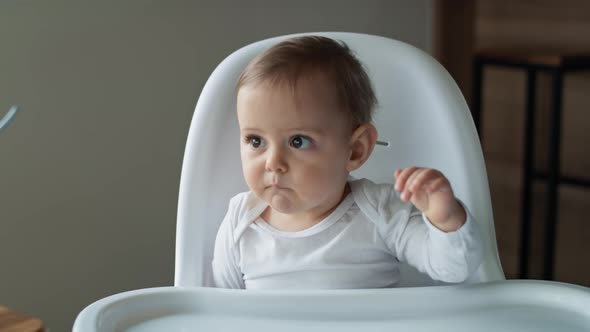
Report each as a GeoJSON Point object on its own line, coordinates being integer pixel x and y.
{"type": "Point", "coordinates": [288, 61]}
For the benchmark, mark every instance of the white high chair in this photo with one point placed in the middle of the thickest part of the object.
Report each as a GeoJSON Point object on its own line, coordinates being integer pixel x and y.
{"type": "Point", "coordinates": [421, 115]}
{"type": "Point", "coordinates": [424, 119]}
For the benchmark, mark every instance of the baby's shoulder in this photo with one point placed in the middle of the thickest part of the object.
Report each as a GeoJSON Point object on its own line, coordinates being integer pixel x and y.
{"type": "Point", "coordinates": [374, 193]}
{"type": "Point", "coordinates": [243, 201]}
{"type": "Point", "coordinates": [244, 208]}
{"type": "Point", "coordinates": [378, 200]}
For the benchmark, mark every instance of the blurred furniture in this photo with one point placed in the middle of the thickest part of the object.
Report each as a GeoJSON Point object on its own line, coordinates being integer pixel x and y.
{"type": "Point", "coordinates": [11, 321]}
{"type": "Point", "coordinates": [557, 65]}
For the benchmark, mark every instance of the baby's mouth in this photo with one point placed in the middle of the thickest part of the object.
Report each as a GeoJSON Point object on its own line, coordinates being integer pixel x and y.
{"type": "Point", "coordinates": [276, 186]}
{"type": "Point", "coordinates": [276, 183]}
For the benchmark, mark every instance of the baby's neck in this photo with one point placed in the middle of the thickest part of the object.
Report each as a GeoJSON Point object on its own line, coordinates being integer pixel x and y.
{"type": "Point", "coordinates": [301, 221]}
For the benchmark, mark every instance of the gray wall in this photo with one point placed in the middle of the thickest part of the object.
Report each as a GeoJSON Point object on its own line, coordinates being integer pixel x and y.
{"type": "Point", "coordinates": [89, 171]}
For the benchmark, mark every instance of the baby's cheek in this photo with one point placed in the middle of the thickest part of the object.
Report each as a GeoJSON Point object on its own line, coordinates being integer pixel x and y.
{"type": "Point", "coordinates": [320, 178]}
{"type": "Point", "coordinates": [251, 176]}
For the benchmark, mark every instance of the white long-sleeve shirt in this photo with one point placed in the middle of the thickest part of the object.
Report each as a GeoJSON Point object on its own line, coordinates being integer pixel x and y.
{"type": "Point", "coordinates": [359, 245]}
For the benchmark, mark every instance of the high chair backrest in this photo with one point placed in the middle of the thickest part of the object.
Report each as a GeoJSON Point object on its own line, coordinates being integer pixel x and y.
{"type": "Point", "coordinates": [422, 115]}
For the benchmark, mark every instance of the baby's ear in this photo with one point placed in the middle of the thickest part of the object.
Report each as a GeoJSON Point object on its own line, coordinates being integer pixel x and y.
{"type": "Point", "coordinates": [361, 145]}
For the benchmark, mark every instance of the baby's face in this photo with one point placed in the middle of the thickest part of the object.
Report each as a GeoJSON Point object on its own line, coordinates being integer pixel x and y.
{"type": "Point", "coordinates": [294, 147]}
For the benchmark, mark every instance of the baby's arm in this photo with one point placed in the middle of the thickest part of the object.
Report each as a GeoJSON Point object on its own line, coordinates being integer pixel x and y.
{"type": "Point", "coordinates": [430, 191]}
{"type": "Point", "coordinates": [412, 238]}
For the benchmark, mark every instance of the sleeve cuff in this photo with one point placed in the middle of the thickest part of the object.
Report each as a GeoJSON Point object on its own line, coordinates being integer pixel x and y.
{"type": "Point", "coordinates": [465, 229]}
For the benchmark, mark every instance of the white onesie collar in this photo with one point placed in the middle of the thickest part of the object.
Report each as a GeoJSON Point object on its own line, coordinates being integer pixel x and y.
{"type": "Point", "coordinates": [341, 209]}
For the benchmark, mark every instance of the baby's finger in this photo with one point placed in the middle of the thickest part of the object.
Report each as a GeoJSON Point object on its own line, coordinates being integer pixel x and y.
{"type": "Point", "coordinates": [411, 181]}
{"type": "Point", "coordinates": [402, 177]}
{"type": "Point", "coordinates": [440, 184]}
{"type": "Point", "coordinates": [407, 193]}
{"type": "Point", "coordinates": [426, 176]}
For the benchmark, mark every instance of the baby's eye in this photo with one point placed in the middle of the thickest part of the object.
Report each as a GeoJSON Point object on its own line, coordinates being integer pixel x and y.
{"type": "Point", "coordinates": [300, 142]}
{"type": "Point", "coordinates": [255, 141]}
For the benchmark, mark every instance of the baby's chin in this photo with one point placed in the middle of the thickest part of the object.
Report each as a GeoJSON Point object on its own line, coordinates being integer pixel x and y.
{"type": "Point", "coordinates": [281, 203]}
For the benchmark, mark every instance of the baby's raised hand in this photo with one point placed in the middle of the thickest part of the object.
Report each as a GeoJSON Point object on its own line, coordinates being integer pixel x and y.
{"type": "Point", "coordinates": [430, 191]}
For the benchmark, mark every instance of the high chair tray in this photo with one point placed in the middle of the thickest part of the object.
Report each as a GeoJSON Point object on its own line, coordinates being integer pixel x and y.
{"type": "Point", "coordinates": [516, 305]}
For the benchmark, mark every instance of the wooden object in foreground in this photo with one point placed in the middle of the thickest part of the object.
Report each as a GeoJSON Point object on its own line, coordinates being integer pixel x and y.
{"type": "Point", "coordinates": [11, 321]}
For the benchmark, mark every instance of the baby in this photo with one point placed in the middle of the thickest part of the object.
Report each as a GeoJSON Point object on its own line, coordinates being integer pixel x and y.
{"type": "Point", "coordinates": [304, 109]}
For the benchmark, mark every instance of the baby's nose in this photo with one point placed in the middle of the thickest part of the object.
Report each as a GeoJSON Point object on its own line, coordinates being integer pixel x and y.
{"type": "Point", "coordinates": [276, 161]}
